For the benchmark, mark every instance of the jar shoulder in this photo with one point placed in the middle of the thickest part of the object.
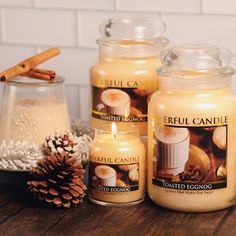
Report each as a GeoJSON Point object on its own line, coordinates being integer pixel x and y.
{"type": "Point", "coordinates": [143, 66]}
{"type": "Point", "coordinates": [162, 101]}
{"type": "Point", "coordinates": [160, 96]}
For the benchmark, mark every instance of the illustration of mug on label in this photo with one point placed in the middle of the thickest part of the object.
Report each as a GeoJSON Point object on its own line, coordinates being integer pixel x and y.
{"type": "Point", "coordinates": [190, 158]}
{"type": "Point", "coordinates": [120, 104]}
{"type": "Point", "coordinates": [114, 177]}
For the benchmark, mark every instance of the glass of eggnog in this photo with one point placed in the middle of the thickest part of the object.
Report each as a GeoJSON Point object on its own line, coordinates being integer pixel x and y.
{"type": "Point", "coordinates": [33, 109]}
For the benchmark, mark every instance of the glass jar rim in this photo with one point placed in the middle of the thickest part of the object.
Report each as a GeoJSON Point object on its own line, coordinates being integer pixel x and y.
{"type": "Point", "coordinates": [35, 82]}
{"type": "Point", "coordinates": [157, 41]}
{"type": "Point", "coordinates": [224, 72]}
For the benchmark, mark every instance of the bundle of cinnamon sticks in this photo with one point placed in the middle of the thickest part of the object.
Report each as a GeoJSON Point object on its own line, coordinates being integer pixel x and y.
{"type": "Point", "coordinates": [27, 68]}
{"type": "Point", "coordinates": [40, 74]}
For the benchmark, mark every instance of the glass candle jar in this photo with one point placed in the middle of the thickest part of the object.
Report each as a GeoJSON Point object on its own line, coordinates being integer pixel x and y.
{"type": "Point", "coordinates": [33, 109]}
{"type": "Point", "coordinates": [125, 75]}
{"type": "Point", "coordinates": [116, 167]}
{"type": "Point", "coordinates": [192, 130]}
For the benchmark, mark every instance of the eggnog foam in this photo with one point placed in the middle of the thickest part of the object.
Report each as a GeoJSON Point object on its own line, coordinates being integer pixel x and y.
{"type": "Point", "coordinates": [171, 135]}
{"type": "Point", "coordinates": [115, 97]}
{"type": "Point", "coordinates": [104, 172]}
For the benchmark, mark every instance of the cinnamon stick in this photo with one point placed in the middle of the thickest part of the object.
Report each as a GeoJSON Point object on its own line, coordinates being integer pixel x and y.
{"type": "Point", "coordinates": [42, 74]}
{"type": "Point", "coordinates": [28, 64]}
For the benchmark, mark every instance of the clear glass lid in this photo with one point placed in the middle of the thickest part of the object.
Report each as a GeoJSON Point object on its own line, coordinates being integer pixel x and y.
{"type": "Point", "coordinates": [133, 27]}
{"type": "Point", "coordinates": [197, 58]}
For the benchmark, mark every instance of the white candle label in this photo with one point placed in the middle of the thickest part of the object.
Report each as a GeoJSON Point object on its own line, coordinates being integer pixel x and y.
{"type": "Point", "coordinates": [190, 153]}
{"type": "Point", "coordinates": [118, 104]}
{"type": "Point", "coordinates": [106, 176]}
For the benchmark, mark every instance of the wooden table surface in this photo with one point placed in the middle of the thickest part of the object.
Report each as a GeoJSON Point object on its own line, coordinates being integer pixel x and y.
{"type": "Point", "coordinates": [21, 215]}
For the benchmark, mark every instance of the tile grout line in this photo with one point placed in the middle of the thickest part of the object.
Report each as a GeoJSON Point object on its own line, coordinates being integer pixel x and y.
{"type": "Point", "coordinates": [77, 24]}
{"type": "Point", "coordinates": [48, 45]}
{"type": "Point", "coordinates": [115, 7]}
{"type": "Point", "coordinates": [55, 8]}
{"type": "Point", "coordinates": [121, 11]}
{"type": "Point", "coordinates": [201, 6]}
{"type": "Point", "coordinates": [33, 3]}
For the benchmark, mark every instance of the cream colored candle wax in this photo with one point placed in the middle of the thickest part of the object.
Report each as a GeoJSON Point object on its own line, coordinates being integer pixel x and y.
{"type": "Point", "coordinates": [192, 130]}
{"type": "Point", "coordinates": [116, 167]}
{"type": "Point", "coordinates": [125, 75]}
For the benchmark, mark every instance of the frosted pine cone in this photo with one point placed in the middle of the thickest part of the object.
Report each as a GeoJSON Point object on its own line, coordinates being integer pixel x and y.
{"type": "Point", "coordinates": [80, 128]}
{"type": "Point", "coordinates": [75, 146]}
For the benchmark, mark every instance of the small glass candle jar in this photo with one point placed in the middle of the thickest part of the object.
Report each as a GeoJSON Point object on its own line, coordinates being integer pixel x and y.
{"type": "Point", "coordinates": [125, 75]}
{"type": "Point", "coordinates": [33, 109]}
{"type": "Point", "coordinates": [116, 167]}
{"type": "Point", "coordinates": [192, 130]}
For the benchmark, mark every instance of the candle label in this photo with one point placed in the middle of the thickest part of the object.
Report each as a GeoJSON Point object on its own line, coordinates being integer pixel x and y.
{"type": "Point", "coordinates": [120, 104]}
{"type": "Point", "coordinates": [114, 174]}
{"type": "Point", "coordinates": [190, 153]}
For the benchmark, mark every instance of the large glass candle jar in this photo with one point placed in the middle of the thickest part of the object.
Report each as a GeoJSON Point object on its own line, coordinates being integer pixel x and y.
{"type": "Point", "coordinates": [125, 75]}
{"type": "Point", "coordinates": [192, 130]}
{"type": "Point", "coordinates": [116, 166]}
{"type": "Point", "coordinates": [33, 109]}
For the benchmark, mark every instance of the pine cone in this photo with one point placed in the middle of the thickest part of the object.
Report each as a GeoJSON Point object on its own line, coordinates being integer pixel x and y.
{"type": "Point", "coordinates": [77, 147]}
{"type": "Point", "coordinates": [81, 128]}
{"type": "Point", "coordinates": [57, 179]}
{"type": "Point", "coordinates": [59, 143]}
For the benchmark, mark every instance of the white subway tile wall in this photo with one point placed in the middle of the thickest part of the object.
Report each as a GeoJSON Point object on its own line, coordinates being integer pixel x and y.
{"type": "Point", "coordinates": [73, 64]}
{"type": "Point", "coordinates": [38, 27]}
{"type": "Point", "coordinates": [15, 3]}
{"type": "Point", "coordinates": [88, 26]}
{"type": "Point", "coordinates": [182, 6]}
{"type": "Point", "coordinates": [30, 26]}
{"type": "Point", "coordinates": [219, 6]}
{"type": "Point", "coordinates": [76, 4]}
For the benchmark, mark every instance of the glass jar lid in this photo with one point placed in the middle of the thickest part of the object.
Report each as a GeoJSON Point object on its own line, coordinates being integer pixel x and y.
{"type": "Point", "coordinates": [196, 59]}
{"type": "Point", "coordinates": [133, 27]}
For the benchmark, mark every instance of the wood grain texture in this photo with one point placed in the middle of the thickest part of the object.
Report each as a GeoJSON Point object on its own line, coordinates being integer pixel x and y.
{"type": "Point", "coordinates": [21, 214]}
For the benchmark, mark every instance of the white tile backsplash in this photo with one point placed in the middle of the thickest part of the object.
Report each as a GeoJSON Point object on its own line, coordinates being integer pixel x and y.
{"type": "Point", "coordinates": [77, 4]}
{"type": "Point", "coordinates": [209, 29]}
{"type": "Point", "coordinates": [11, 55]}
{"type": "Point", "coordinates": [73, 64]}
{"type": "Point", "coordinates": [16, 3]}
{"type": "Point", "coordinates": [192, 6]}
{"type": "Point", "coordinates": [29, 26]}
{"type": "Point", "coordinates": [219, 6]}
{"type": "Point", "coordinates": [88, 27]}
{"type": "Point", "coordinates": [38, 27]}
